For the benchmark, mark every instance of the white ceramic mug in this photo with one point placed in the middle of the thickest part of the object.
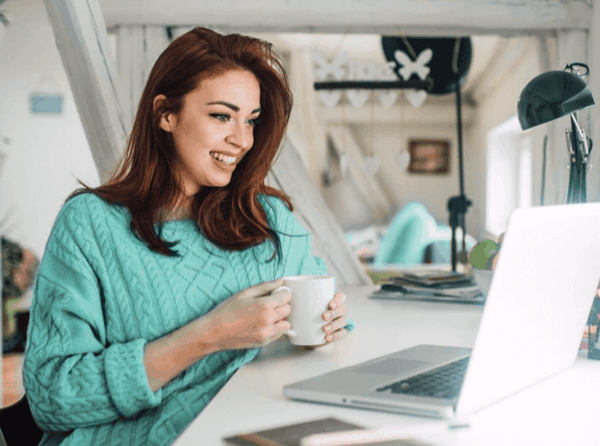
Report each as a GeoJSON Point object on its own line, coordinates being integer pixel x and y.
{"type": "Point", "coordinates": [310, 299]}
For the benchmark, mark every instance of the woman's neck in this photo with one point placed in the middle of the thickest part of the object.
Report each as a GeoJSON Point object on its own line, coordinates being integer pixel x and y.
{"type": "Point", "coordinates": [180, 211]}
{"type": "Point", "coordinates": [178, 214]}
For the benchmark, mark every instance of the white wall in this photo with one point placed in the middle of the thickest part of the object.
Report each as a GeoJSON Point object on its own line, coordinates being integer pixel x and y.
{"type": "Point", "coordinates": [502, 158]}
{"type": "Point", "coordinates": [47, 152]}
{"type": "Point", "coordinates": [392, 134]}
{"type": "Point", "coordinates": [497, 104]}
{"type": "Point", "coordinates": [431, 190]}
{"type": "Point", "coordinates": [350, 211]}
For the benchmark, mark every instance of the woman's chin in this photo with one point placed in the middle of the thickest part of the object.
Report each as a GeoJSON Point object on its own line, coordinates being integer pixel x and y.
{"type": "Point", "coordinates": [220, 181]}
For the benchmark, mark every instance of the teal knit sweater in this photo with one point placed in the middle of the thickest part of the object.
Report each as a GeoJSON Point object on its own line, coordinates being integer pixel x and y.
{"type": "Point", "coordinates": [101, 294]}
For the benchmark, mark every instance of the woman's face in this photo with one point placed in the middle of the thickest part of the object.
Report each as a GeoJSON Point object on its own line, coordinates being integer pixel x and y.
{"type": "Point", "coordinates": [214, 130]}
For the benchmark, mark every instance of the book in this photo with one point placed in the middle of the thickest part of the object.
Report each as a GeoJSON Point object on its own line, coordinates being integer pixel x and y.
{"type": "Point", "coordinates": [291, 435]}
{"type": "Point", "coordinates": [397, 289]}
{"type": "Point", "coordinates": [436, 278]}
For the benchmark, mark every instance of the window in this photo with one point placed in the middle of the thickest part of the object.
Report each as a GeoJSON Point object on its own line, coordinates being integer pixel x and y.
{"type": "Point", "coordinates": [508, 174]}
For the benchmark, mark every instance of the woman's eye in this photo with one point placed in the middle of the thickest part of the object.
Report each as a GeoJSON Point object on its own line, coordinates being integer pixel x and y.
{"type": "Point", "coordinates": [254, 122]}
{"type": "Point", "coordinates": [221, 116]}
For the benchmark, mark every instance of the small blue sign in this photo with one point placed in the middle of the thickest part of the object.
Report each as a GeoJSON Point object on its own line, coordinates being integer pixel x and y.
{"type": "Point", "coordinates": [46, 104]}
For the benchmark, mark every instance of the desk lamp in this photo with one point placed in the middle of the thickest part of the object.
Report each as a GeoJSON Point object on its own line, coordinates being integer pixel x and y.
{"type": "Point", "coordinates": [553, 95]}
{"type": "Point", "coordinates": [550, 96]}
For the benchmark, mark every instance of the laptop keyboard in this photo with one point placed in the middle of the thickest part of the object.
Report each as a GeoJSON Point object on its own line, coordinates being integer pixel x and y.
{"type": "Point", "coordinates": [444, 382]}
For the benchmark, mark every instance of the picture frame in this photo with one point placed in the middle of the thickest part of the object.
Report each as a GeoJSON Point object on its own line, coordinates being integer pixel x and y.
{"type": "Point", "coordinates": [429, 156]}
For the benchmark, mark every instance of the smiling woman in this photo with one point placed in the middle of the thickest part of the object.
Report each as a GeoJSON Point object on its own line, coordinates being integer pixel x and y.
{"type": "Point", "coordinates": [205, 91]}
{"type": "Point", "coordinates": [158, 285]}
{"type": "Point", "coordinates": [214, 131]}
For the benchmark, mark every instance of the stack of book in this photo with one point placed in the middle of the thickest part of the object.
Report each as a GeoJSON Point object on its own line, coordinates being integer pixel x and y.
{"type": "Point", "coordinates": [432, 285]}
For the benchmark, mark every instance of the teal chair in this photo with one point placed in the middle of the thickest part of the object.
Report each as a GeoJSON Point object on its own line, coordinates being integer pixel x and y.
{"type": "Point", "coordinates": [407, 236]}
{"type": "Point", "coordinates": [414, 237]}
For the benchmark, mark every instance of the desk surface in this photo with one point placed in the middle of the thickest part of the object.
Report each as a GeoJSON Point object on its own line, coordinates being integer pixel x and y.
{"type": "Point", "coordinates": [561, 410]}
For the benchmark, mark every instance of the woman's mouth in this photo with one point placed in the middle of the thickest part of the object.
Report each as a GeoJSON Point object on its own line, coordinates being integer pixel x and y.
{"type": "Point", "coordinates": [223, 158]}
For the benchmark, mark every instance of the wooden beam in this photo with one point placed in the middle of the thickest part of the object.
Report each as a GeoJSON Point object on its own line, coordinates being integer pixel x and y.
{"type": "Point", "coordinates": [571, 46]}
{"type": "Point", "coordinates": [593, 184]}
{"type": "Point", "coordinates": [544, 53]}
{"type": "Point", "coordinates": [328, 239]}
{"type": "Point", "coordinates": [138, 47]}
{"type": "Point", "coordinates": [509, 54]}
{"type": "Point", "coordinates": [410, 17]}
{"type": "Point", "coordinates": [369, 189]}
{"type": "Point", "coordinates": [438, 114]}
{"type": "Point", "coordinates": [82, 42]}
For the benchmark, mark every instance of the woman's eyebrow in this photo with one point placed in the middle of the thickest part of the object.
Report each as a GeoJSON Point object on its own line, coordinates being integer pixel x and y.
{"type": "Point", "coordinates": [235, 108]}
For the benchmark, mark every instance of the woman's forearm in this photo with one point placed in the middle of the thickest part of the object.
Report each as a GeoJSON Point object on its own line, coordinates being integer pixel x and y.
{"type": "Point", "coordinates": [167, 357]}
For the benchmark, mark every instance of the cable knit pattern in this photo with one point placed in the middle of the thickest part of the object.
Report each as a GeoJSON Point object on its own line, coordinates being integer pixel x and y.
{"type": "Point", "coordinates": [101, 294]}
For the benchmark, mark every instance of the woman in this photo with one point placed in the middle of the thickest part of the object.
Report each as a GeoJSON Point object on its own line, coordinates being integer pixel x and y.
{"type": "Point", "coordinates": [155, 287]}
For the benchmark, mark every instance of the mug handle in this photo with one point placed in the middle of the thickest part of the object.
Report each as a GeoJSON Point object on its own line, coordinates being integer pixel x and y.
{"type": "Point", "coordinates": [291, 333]}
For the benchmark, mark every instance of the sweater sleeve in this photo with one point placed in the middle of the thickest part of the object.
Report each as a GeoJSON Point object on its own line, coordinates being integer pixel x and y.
{"type": "Point", "coordinates": [72, 376]}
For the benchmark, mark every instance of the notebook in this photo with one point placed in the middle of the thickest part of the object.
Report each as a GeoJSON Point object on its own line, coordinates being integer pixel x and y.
{"type": "Point", "coordinates": [533, 319]}
{"type": "Point", "coordinates": [292, 435]}
{"type": "Point", "coordinates": [398, 289]}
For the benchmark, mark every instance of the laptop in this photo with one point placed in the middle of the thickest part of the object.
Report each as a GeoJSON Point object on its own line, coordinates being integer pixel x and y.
{"type": "Point", "coordinates": [531, 327]}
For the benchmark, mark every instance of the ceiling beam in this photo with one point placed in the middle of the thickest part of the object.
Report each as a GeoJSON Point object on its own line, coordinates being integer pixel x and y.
{"type": "Point", "coordinates": [398, 115]}
{"type": "Point", "coordinates": [82, 42]}
{"type": "Point", "coordinates": [509, 54]}
{"type": "Point", "coordinates": [409, 17]}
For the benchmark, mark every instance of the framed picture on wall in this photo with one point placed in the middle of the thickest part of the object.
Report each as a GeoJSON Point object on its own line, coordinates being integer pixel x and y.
{"type": "Point", "coordinates": [429, 156]}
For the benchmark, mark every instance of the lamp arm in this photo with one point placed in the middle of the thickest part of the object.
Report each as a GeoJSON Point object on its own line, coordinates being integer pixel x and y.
{"type": "Point", "coordinates": [581, 133]}
{"type": "Point", "coordinates": [579, 152]}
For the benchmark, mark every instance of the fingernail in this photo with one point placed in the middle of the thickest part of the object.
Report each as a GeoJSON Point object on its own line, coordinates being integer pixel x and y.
{"type": "Point", "coordinates": [329, 337]}
{"type": "Point", "coordinates": [332, 306]}
{"type": "Point", "coordinates": [328, 327]}
{"type": "Point", "coordinates": [327, 315]}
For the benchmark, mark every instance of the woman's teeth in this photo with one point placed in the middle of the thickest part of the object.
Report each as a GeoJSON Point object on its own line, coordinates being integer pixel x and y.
{"type": "Point", "coordinates": [223, 158]}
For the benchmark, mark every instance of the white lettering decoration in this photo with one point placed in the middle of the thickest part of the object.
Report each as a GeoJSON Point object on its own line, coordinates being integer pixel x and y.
{"type": "Point", "coordinates": [342, 68]}
{"type": "Point", "coordinates": [387, 98]}
{"type": "Point", "coordinates": [416, 97]}
{"type": "Point", "coordinates": [333, 70]}
{"type": "Point", "coordinates": [358, 70]}
{"type": "Point", "coordinates": [409, 67]}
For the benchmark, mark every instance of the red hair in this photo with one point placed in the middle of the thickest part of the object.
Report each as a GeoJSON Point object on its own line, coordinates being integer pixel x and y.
{"type": "Point", "coordinates": [145, 180]}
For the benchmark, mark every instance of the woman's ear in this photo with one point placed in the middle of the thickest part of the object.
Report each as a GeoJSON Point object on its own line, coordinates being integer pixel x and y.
{"type": "Point", "coordinates": [166, 119]}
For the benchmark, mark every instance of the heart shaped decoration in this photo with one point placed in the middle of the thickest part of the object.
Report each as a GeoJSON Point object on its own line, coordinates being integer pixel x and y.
{"type": "Point", "coordinates": [416, 97]}
{"type": "Point", "coordinates": [403, 160]}
{"type": "Point", "coordinates": [330, 98]}
{"type": "Point", "coordinates": [387, 98]}
{"type": "Point", "coordinates": [344, 164]}
{"type": "Point", "coordinates": [357, 98]}
{"type": "Point", "coordinates": [371, 165]}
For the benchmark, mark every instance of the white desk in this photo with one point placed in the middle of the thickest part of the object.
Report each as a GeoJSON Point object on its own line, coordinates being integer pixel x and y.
{"type": "Point", "coordinates": [563, 410]}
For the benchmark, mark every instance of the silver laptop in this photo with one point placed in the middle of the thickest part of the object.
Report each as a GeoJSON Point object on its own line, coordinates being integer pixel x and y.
{"type": "Point", "coordinates": [533, 320]}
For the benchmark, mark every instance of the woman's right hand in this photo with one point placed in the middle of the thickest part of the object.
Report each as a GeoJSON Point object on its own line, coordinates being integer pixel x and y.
{"type": "Point", "coordinates": [250, 318]}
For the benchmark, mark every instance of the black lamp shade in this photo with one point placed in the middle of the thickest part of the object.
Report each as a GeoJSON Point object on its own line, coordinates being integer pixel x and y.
{"type": "Point", "coordinates": [550, 96]}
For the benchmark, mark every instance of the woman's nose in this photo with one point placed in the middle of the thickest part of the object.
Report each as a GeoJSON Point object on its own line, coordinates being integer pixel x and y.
{"type": "Point", "coordinates": [241, 136]}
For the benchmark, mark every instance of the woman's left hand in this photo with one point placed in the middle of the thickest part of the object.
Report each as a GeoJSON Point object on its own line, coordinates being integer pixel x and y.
{"type": "Point", "coordinates": [335, 321]}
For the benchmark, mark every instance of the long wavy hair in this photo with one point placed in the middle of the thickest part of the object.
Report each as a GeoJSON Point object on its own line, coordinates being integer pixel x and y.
{"type": "Point", "coordinates": [146, 181]}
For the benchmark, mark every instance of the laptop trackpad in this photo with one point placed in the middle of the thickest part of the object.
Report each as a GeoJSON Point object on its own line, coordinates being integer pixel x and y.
{"type": "Point", "coordinates": [390, 366]}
